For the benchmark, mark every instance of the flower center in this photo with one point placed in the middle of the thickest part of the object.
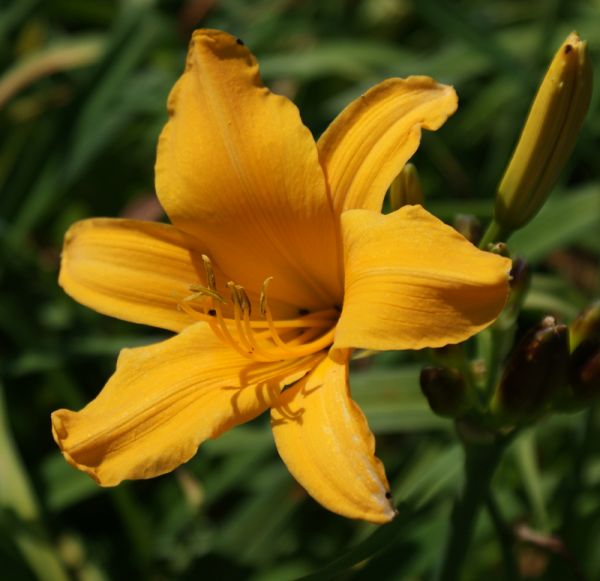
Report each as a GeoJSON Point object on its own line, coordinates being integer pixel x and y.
{"type": "Point", "coordinates": [263, 339]}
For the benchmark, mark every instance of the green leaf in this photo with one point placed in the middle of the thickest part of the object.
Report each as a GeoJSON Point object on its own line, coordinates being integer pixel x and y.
{"type": "Point", "coordinates": [63, 56]}
{"type": "Point", "coordinates": [435, 470]}
{"type": "Point", "coordinates": [64, 485]}
{"type": "Point", "coordinates": [83, 136]}
{"type": "Point", "coordinates": [271, 504]}
{"type": "Point", "coordinates": [564, 220]}
{"type": "Point", "coordinates": [393, 402]}
{"type": "Point", "coordinates": [383, 537]}
{"type": "Point", "coordinates": [15, 13]}
{"type": "Point", "coordinates": [350, 59]}
{"type": "Point", "coordinates": [451, 20]}
{"type": "Point", "coordinates": [18, 503]}
{"type": "Point", "coordinates": [526, 456]}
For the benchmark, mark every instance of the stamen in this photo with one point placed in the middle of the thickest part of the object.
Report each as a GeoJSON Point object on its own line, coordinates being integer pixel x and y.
{"type": "Point", "coordinates": [237, 313]}
{"type": "Point", "coordinates": [266, 341]}
{"type": "Point", "coordinates": [244, 299]}
{"type": "Point", "coordinates": [316, 345]}
{"type": "Point", "coordinates": [220, 329]}
{"type": "Point", "coordinates": [200, 290]}
{"type": "Point", "coordinates": [265, 311]}
{"type": "Point", "coordinates": [249, 335]}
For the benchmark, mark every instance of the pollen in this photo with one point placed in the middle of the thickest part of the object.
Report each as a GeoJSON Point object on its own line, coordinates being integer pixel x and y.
{"type": "Point", "coordinates": [260, 339]}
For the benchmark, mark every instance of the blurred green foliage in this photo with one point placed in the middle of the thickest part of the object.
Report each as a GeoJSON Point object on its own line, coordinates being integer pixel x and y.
{"type": "Point", "coordinates": [83, 87]}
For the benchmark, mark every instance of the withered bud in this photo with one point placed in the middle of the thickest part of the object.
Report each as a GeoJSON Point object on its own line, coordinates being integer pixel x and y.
{"type": "Point", "coordinates": [536, 369]}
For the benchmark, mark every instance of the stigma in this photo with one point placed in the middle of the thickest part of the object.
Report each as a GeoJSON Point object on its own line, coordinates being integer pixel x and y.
{"type": "Point", "coordinates": [262, 337]}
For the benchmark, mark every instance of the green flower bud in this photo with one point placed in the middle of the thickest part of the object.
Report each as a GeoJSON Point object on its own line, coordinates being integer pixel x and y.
{"type": "Point", "coordinates": [406, 188]}
{"type": "Point", "coordinates": [547, 138]}
{"type": "Point", "coordinates": [446, 391]}
{"type": "Point", "coordinates": [536, 370]}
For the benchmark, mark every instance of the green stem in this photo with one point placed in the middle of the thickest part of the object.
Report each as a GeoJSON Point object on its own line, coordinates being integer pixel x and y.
{"type": "Point", "coordinates": [481, 461]}
{"type": "Point", "coordinates": [494, 233]}
{"type": "Point", "coordinates": [506, 539]}
{"type": "Point", "coordinates": [493, 360]}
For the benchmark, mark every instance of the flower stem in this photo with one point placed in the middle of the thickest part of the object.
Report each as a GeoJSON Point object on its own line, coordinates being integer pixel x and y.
{"type": "Point", "coordinates": [481, 461]}
{"type": "Point", "coordinates": [494, 233]}
{"type": "Point", "coordinates": [505, 538]}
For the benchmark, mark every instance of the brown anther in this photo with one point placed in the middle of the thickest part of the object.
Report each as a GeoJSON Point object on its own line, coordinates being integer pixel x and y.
{"type": "Point", "coordinates": [211, 280]}
{"type": "Point", "coordinates": [201, 291]}
{"type": "Point", "coordinates": [244, 299]}
{"type": "Point", "coordinates": [235, 297]}
{"type": "Point", "coordinates": [262, 301]}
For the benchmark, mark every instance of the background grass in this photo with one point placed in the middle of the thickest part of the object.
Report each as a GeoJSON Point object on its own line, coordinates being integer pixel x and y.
{"type": "Point", "coordinates": [83, 87]}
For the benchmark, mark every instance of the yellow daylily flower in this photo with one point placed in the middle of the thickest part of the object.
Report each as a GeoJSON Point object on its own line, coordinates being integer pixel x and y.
{"type": "Point", "coordinates": [278, 264]}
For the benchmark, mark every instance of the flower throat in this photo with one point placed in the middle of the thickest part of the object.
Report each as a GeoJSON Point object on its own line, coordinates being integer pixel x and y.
{"type": "Point", "coordinates": [264, 339]}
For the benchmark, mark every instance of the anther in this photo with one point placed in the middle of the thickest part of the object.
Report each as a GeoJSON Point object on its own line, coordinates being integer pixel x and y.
{"type": "Point", "coordinates": [238, 313]}
{"type": "Point", "coordinates": [262, 301]}
{"type": "Point", "coordinates": [200, 291]}
{"type": "Point", "coordinates": [211, 280]}
{"type": "Point", "coordinates": [244, 299]}
{"type": "Point", "coordinates": [235, 296]}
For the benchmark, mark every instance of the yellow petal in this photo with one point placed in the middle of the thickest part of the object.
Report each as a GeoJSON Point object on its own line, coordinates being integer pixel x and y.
{"type": "Point", "coordinates": [163, 401]}
{"type": "Point", "coordinates": [324, 440]}
{"type": "Point", "coordinates": [129, 269]}
{"type": "Point", "coordinates": [413, 282]}
{"type": "Point", "coordinates": [237, 169]}
{"type": "Point", "coordinates": [367, 145]}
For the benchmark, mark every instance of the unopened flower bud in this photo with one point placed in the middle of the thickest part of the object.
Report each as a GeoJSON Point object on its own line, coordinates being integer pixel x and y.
{"type": "Point", "coordinates": [584, 365]}
{"type": "Point", "coordinates": [520, 279]}
{"type": "Point", "coordinates": [406, 188]}
{"type": "Point", "coordinates": [446, 391]}
{"type": "Point", "coordinates": [584, 371]}
{"type": "Point", "coordinates": [469, 226]}
{"type": "Point", "coordinates": [535, 371]}
{"type": "Point", "coordinates": [520, 276]}
{"type": "Point", "coordinates": [548, 136]}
